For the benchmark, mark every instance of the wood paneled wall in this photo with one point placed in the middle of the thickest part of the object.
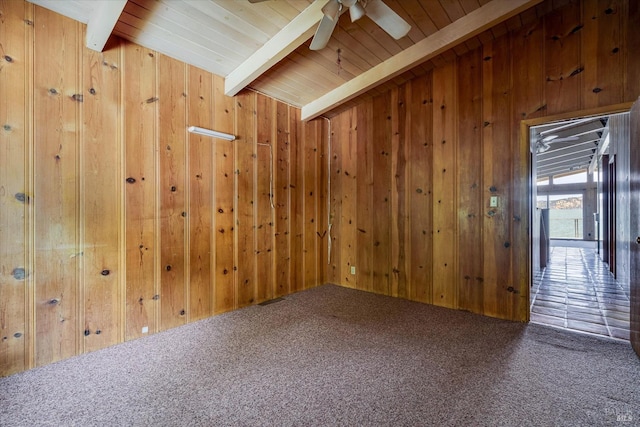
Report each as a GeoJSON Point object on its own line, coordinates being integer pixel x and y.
{"type": "Point", "coordinates": [413, 169]}
{"type": "Point", "coordinates": [113, 218]}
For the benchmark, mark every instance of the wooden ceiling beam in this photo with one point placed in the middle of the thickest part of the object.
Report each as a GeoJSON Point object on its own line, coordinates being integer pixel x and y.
{"type": "Point", "coordinates": [479, 20]}
{"type": "Point", "coordinates": [102, 21]}
{"type": "Point", "coordinates": [295, 33]}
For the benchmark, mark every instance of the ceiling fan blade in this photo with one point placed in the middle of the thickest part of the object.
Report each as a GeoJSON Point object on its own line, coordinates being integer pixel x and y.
{"type": "Point", "coordinates": [554, 138]}
{"type": "Point", "coordinates": [323, 33]}
{"type": "Point", "coordinates": [256, 1]}
{"type": "Point", "coordinates": [387, 19]}
{"type": "Point", "coordinates": [568, 138]}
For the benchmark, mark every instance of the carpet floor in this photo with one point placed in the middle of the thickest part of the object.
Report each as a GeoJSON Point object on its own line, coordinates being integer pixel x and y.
{"type": "Point", "coordinates": [336, 356]}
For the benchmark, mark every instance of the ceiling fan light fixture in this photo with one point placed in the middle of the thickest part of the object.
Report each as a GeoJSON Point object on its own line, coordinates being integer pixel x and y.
{"type": "Point", "coordinates": [332, 9]}
{"type": "Point", "coordinates": [356, 12]}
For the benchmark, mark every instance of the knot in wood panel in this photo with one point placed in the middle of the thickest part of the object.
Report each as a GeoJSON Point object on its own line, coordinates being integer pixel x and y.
{"type": "Point", "coordinates": [19, 273]}
{"type": "Point", "coordinates": [22, 198]}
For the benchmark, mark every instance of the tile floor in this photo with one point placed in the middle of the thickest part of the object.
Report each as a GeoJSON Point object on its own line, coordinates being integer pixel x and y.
{"type": "Point", "coordinates": [576, 291]}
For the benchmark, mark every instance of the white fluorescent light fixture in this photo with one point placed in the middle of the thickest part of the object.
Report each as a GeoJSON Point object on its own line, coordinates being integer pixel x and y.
{"type": "Point", "coordinates": [212, 133]}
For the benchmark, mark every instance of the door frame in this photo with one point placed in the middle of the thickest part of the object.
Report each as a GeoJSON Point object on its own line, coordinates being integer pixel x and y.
{"type": "Point", "coordinates": [525, 126]}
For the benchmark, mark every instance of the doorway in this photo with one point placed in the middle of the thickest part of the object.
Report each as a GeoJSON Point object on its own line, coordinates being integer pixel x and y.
{"type": "Point", "coordinates": [576, 220]}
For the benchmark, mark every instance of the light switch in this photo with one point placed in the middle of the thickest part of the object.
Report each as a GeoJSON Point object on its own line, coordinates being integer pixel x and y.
{"type": "Point", "coordinates": [353, 269]}
{"type": "Point", "coordinates": [493, 202]}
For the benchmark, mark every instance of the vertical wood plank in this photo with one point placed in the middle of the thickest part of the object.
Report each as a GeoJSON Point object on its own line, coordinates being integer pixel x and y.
{"type": "Point", "coordinates": [282, 202]}
{"type": "Point", "coordinates": [200, 158]}
{"type": "Point", "coordinates": [335, 196]}
{"type": "Point", "coordinates": [296, 184]}
{"type": "Point", "coordinates": [55, 127]}
{"type": "Point", "coordinates": [631, 51]}
{"type": "Point", "coordinates": [172, 130]}
{"type": "Point", "coordinates": [563, 70]}
{"type": "Point", "coordinates": [381, 193]}
{"type": "Point", "coordinates": [469, 182]}
{"type": "Point", "coordinates": [322, 208]}
{"type": "Point", "coordinates": [100, 198]}
{"type": "Point", "coordinates": [140, 113]}
{"type": "Point", "coordinates": [400, 171]}
{"type": "Point", "coordinates": [444, 186]}
{"type": "Point", "coordinates": [499, 295]}
{"type": "Point", "coordinates": [223, 201]}
{"type": "Point", "coordinates": [264, 204]}
{"type": "Point", "coordinates": [364, 197]}
{"type": "Point", "coordinates": [14, 188]}
{"type": "Point", "coordinates": [421, 188]}
{"type": "Point", "coordinates": [348, 173]}
{"type": "Point", "coordinates": [310, 181]}
{"type": "Point", "coordinates": [245, 149]}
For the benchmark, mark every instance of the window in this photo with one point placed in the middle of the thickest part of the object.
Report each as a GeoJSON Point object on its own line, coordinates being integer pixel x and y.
{"type": "Point", "coordinates": [565, 216]}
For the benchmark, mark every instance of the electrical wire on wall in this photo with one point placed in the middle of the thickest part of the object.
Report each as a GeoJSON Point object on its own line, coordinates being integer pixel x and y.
{"type": "Point", "coordinates": [270, 171]}
{"type": "Point", "coordinates": [328, 189]}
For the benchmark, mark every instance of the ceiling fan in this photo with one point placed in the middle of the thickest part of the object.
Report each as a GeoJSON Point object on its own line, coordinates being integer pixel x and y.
{"type": "Point", "coordinates": [543, 143]}
{"type": "Point", "coordinates": [379, 13]}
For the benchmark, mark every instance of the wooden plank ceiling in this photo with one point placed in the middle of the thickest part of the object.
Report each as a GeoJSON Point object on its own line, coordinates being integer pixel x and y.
{"type": "Point", "coordinates": [225, 37]}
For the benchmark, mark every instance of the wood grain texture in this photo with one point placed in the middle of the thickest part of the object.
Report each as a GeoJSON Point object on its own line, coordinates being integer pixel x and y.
{"type": "Point", "coordinates": [364, 201]}
{"type": "Point", "coordinates": [101, 272]}
{"type": "Point", "coordinates": [296, 185]}
{"type": "Point", "coordinates": [348, 211]}
{"type": "Point", "coordinates": [173, 192]}
{"type": "Point", "coordinates": [381, 223]}
{"type": "Point", "coordinates": [400, 220]}
{"type": "Point", "coordinates": [15, 198]}
{"type": "Point", "coordinates": [140, 189]}
{"type": "Point", "coordinates": [312, 134]}
{"type": "Point", "coordinates": [115, 222]}
{"type": "Point", "coordinates": [56, 201]}
{"type": "Point", "coordinates": [223, 201]}
{"type": "Point", "coordinates": [420, 118]}
{"type": "Point", "coordinates": [282, 202]}
{"type": "Point", "coordinates": [524, 70]}
{"type": "Point", "coordinates": [245, 203]}
{"type": "Point", "coordinates": [563, 66]}
{"type": "Point", "coordinates": [444, 186]}
{"type": "Point", "coordinates": [631, 43]}
{"type": "Point", "coordinates": [528, 102]}
{"type": "Point", "coordinates": [469, 183]}
{"type": "Point", "coordinates": [603, 54]}
{"type": "Point", "coordinates": [265, 235]}
{"type": "Point", "coordinates": [497, 180]}
{"type": "Point", "coordinates": [201, 184]}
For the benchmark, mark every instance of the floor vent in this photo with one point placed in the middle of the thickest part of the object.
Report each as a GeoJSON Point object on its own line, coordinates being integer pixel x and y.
{"type": "Point", "coordinates": [271, 301]}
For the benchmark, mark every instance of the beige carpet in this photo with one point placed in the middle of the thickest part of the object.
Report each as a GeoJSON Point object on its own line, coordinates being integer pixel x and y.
{"type": "Point", "coordinates": [335, 356]}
